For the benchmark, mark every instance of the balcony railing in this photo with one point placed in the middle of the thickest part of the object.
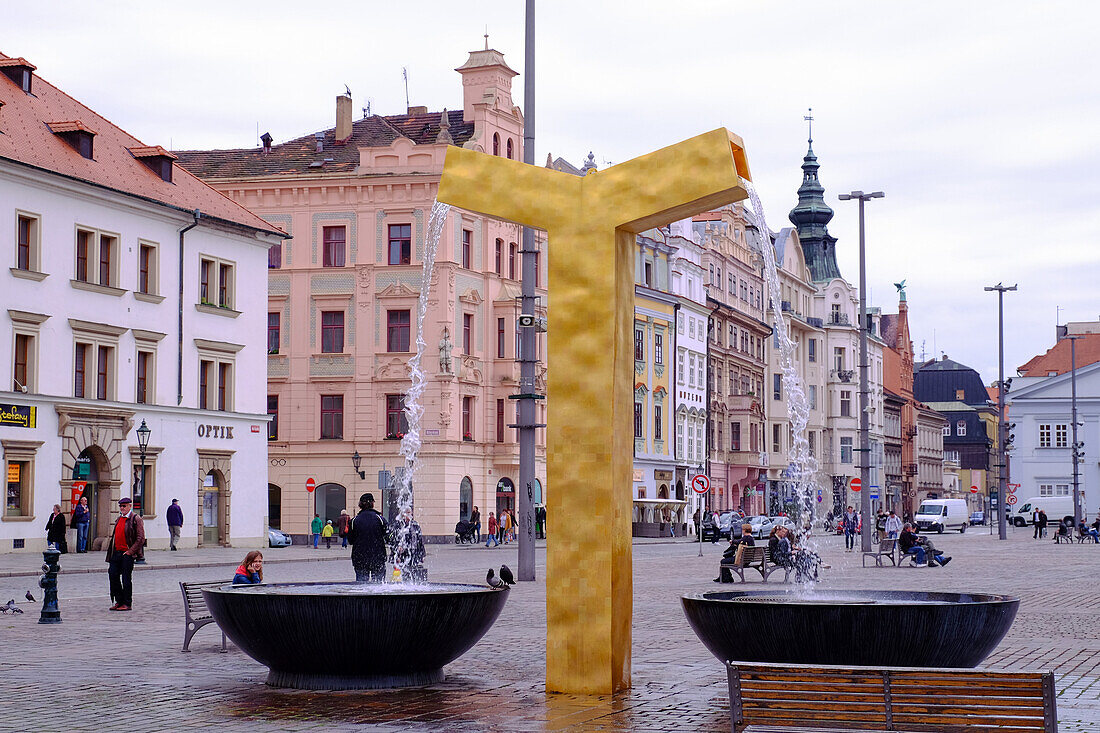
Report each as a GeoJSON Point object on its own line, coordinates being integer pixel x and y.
{"type": "Point", "coordinates": [843, 375]}
{"type": "Point", "coordinates": [839, 319]}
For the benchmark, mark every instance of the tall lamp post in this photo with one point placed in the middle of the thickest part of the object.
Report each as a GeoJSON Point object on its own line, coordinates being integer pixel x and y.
{"type": "Point", "coordinates": [1077, 513]}
{"type": "Point", "coordinates": [1002, 481]}
{"type": "Point", "coordinates": [143, 433]}
{"type": "Point", "coordinates": [864, 388]}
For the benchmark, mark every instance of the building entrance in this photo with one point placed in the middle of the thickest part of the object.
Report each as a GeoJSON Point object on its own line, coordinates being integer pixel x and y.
{"type": "Point", "coordinates": [211, 508]}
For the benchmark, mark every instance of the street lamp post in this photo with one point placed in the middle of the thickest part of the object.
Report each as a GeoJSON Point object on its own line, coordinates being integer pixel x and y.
{"type": "Point", "coordinates": [864, 388]}
{"type": "Point", "coordinates": [1002, 482]}
{"type": "Point", "coordinates": [1077, 513]}
{"type": "Point", "coordinates": [143, 433]}
{"type": "Point", "coordinates": [356, 462]}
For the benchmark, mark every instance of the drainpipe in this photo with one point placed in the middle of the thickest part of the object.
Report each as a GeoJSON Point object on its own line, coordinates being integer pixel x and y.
{"type": "Point", "coordinates": [179, 325]}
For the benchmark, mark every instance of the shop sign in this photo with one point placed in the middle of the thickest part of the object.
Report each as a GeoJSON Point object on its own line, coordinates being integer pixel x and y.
{"type": "Point", "coordinates": [216, 431]}
{"type": "Point", "coordinates": [21, 416]}
{"type": "Point", "coordinates": [505, 486]}
{"type": "Point", "coordinates": [13, 473]}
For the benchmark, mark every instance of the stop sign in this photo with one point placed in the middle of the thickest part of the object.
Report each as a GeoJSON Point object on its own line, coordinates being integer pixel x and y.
{"type": "Point", "coordinates": [856, 484]}
{"type": "Point", "coordinates": [310, 485]}
{"type": "Point", "coordinates": [973, 489]}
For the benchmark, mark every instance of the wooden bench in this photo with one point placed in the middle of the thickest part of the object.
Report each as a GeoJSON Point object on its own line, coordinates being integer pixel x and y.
{"type": "Point", "coordinates": [792, 697]}
{"type": "Point", "coordinates": [196, 614]}
{"type": "Point", "coordinates": [886, 549]}
{"type": "Point", "coordinates": [751, 557]}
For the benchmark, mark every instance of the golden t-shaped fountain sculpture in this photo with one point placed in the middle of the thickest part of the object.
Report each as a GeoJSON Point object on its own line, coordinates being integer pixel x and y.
{"type": "Point", "coordinates": [591, 223]}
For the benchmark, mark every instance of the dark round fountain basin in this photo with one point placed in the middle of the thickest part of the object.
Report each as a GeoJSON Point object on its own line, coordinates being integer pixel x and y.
{"type": "Point", "coordinates": [345, 636]}
{"type": "Point", "coordinates": [858, 627]}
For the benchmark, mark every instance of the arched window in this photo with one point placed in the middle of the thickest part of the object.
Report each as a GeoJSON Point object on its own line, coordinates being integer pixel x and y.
{"type": "Point", "coordinates": [465, 498]}
{"type": "Point", "coordinates": [509, 148]}
{"type": "Point", "coordinates": [496, 144]}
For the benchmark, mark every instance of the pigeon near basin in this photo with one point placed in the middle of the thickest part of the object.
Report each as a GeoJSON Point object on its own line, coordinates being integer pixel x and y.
{"type": "Point", "coordinates": [30, 597]}
{"type": "Point", "coordinates": [493, 581]}
{"type": "Point", "coordinates": [506, 575]}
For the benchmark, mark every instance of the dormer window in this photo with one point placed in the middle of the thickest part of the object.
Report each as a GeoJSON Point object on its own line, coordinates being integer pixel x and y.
{"type": "Point", "coordinates": [156, 159]}
{"type": "Point", "coordinates": [76, 134]}
{"type": "Point", "coordinates": [19, 71]}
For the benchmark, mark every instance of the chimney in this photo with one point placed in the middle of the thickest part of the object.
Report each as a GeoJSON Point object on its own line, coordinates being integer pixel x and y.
{"type": "Point", "coordinates": [343, 118]}
{"type": "Point", "coordinates": [266, 140]}
{"type": "Point", "coordinates": [418, 109]}
{"type": "Point", "coordinates": [320, 136]}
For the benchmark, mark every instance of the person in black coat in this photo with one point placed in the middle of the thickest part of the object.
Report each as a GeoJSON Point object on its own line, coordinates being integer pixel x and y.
{"type": "Point", "coordinates": [55, 529]}
{"type": "Point", "coordinates": [367, 537]}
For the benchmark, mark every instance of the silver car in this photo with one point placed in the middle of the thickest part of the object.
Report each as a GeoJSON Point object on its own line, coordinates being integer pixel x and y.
{"type": "Point", "coordinates": [758, 523]}
{"type": "Point", "coordinates": [772, 522]}
{"type": "Point", "coordinates": [278, 538]}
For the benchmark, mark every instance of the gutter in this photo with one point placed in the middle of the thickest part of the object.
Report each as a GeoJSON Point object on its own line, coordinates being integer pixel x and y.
{"type": "Point", "coordinates": [179, 325]}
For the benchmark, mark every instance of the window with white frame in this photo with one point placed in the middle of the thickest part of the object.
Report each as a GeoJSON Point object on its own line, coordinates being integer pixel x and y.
{"type": "Point", "coordinates": [18, 465]}
{"type": "Point", "coordinates": [145, 366]}
{"type": "Point", "coordinates": [28, 242]}
{"type": "Point", "coordinates": [658, 349]}
{"type": "Point", "coordinates": [680, 437]}
{"type": "Point", "coordinates": [95, 358]}
{"type": "Point", "coordinates": [1044, 435]}
{"type": "Point", "coordinates": [960, 428]}
{"type": "Point", "coordinates": [96, 257]}
{"type": "Point", "coordinates": [813, 396]}
{"type": "Point", "coordinates": [217, 374]}
{"type": "Point", "coordinates": [947, 429]}
{"type": "Point", "coordinates": [25, 340]}
{"type": "Point", "coordinates": [148, 282]}
{"type": "Point", "coordinates": [1061, 435]}
{"type": "Point", "coordinates": [680, 359]}
{"type": "Point", "coordinates": [845, 450]}
{"type": "Point", "coordinates": [217, 282]}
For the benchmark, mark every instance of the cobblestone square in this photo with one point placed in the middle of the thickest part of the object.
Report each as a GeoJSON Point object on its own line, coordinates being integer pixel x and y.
{"type": "Point", "coordinates": [78, 675]}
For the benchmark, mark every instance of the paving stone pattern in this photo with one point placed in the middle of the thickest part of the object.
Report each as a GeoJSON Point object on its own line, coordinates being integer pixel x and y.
{"type": "Point", "coordinates": [78, 675]}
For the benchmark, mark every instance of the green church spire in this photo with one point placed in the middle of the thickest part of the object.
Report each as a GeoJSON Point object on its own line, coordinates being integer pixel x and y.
{"type": "Point", "coordinates": [812, 215]}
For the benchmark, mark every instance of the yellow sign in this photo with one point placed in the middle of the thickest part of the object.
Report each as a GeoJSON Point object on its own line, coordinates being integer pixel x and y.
{"type": "Point", "coordinates": [22, 416]}
{"type": "Point", "coordinates": [13, 473]}
{"type": "Point", "coordinates": [591, 222]}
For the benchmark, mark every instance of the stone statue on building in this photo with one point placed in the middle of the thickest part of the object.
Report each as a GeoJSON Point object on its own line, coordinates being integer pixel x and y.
{"type": "Point", "coordinates": [901, 289]}
{"type": "Point", "coordinates": [445, 348]}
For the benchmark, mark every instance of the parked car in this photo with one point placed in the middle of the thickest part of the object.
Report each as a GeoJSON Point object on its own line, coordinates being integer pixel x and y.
{"type": "Point", "coordinates": [757, 523]}
{"type": "Point", "coordinates": [766, 527]}
{"type": "Point", "coordinates": [937, 515]}
{"type": "Point", "coordinates": [977, 518]}
{"type": "Point", "coordinates": [709, 529]}
{"type": "Point", "coordinates": [278, 538]}
{"type": "Point", "coordinates": [728, 521]}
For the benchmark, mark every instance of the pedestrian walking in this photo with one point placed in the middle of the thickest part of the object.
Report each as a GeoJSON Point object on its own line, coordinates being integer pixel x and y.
{"type": "Point", "coordinates": [475, 519]}
{"type": "Point", "coordinates": [342, 523]}
{"type": "Point", "coordinates": [82, 517]}
{"type": "Point", "coordinates": [125, 545]}
{"type": "Point", "coordinates": [251, 571]}
{"type": "Point", "coordinates": [893, 525]}
{"type": "Point", "coordinates": [55, 530]}
{"type": "Point", "coordinates": [505, 525]}
{"type": "Point", "coordinates": [175, 523]}
{"type": "Point", "coordinates": [491, 530]}
{"type": "Point", "coordinates": [367, 537]}
{"type": "Point", "coordinates": [850, 521]}
{"type": "Point", "coordinates": [1035, 522]}
{"type": "Point", "coordinates": [315, 529]}
{"type": "Point", "coordinates": [327, 532]}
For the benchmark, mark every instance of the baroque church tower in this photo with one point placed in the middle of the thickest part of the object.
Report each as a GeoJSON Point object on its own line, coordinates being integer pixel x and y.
{"type": "Point", "coordinates": [811, 216]}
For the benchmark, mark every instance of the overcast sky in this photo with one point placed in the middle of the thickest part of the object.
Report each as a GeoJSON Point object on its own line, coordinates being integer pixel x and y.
{"type": "Point", "coordinates": [979, 119]}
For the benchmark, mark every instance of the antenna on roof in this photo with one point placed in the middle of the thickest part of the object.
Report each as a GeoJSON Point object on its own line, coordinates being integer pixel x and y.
{"type": "Point", "coordinates": [405, 75]}
{"type": "Point", "coordinates": [347, 90]}
{"type": "Point", "coordinates": [366, 110]}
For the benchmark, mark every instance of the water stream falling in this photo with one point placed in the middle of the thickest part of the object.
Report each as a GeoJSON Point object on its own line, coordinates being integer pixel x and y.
{"type": "Point", "coordinates": [414, 410]}
{"type": "Point", "coordinates": [803, 466]}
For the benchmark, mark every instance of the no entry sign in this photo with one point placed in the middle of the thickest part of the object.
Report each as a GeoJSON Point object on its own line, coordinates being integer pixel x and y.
{"type": "Point", "coordinates": [856, 484]}
{"type": "Point", "coordinates": [700, 484]}
{"type": "Point", "coordinates": [310, 485]}
{"type": "Point", "coordinates": [973, 489]}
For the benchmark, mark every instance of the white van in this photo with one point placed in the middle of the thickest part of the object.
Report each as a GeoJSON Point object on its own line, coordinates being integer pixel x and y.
{"type": "Point", "coordinates": [1056, 507]}
{"type": "Point", "coordinates": [936, 515]}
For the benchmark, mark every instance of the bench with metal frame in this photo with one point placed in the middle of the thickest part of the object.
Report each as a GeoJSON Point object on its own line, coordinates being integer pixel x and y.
{"type": "Point", "coordinates": [196, 614]}
{"type": "Point", "coordinates": [833, 698]}
{"type": "Point", "coordinates": [886, 549]}
{"type": "Point", "coordinates": [755, 558]}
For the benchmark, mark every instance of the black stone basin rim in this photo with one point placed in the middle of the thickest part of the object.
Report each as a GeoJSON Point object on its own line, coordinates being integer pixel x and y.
{"type": "Point", "coordinates": [928, 672]}
{"type": "Point", "coordinates": [451, 589]}
{"type": "Point", "coordinates": [790, 599]}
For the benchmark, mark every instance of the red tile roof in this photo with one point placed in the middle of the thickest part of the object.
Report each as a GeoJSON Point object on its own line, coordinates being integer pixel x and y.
{"type": "Point", "coordinates": [1057, 357]}
{"type": "Point", "coordinates": [27, 136]}
{"type": "Point", "coordinates": [295, 156]}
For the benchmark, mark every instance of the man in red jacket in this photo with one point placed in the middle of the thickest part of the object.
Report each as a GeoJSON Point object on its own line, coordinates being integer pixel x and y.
{"type": "Point", "coordinates": [125, 545]}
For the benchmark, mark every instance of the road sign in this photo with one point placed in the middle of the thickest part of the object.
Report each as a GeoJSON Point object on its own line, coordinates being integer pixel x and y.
{"type": "Point", "coordinates": [1012, 489]}
{"type": "Point", "coordinates": [856, 484]}
{"type": "Point", "coordinates": [310, 485]}
{"type": "Point", "coordinates": [1011, 500]}
{"type": "Point", "coordinates": [700, 484]}
{"type": "Point", "coordinates": [973, 489]}
{"type": "Point", "coordinates": [819, 499]}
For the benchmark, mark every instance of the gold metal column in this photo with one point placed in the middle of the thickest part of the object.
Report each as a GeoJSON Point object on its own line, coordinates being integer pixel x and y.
{"type": "Point", "coordinates": [591, 223]}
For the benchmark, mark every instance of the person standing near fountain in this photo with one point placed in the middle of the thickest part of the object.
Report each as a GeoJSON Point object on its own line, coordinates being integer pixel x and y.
{"type": "Point", "coordinates": [368, 542]}
{"type": "Point", "coordinates": [850, 521]}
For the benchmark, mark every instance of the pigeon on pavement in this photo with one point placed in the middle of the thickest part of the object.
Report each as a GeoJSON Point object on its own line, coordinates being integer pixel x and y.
{"type": "Point", "coordinates": [506, 575]}
{"type": "Point", "coordinates": [30, 597]}
{"type": "Point", "coordinates": [11, 607]}
{"type": "Point", "coordinates": [493, 581]}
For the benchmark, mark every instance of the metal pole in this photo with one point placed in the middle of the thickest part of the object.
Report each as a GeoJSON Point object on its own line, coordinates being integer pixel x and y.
{"type": "Point", "coordinates": [528, 339]}
{"type": "Point", "coordinates": [1002, 483]}
{"type": "Point", "coordinates": [1076, 454]}
{"type": "Point", "coordinates": [864, 395]}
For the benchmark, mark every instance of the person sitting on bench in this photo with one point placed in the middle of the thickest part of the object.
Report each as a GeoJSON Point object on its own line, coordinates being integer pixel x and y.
{"type": "Point", "coordinates": [730, 555]}
{"type": "Point", "coordinates": [1063, 532]}
{"type": "Point", "coordinates": [911, 544]}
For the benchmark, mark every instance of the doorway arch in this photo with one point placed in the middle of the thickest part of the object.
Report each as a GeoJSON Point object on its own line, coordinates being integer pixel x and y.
{"type": "Point", "coordinates": [274, 506]}
{"type": "Point", "coordinates": [465, 498]}
{"type": "Point", "coordinates": [506, 494]}
{"type": "Point", "coordinates": [331, 498]}
{"type": "Point", "coordinates": [537, 498]}
{"type": "Point", "coordinates": [213, 511]}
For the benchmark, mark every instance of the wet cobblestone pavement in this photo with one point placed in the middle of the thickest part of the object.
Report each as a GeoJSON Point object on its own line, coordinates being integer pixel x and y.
{"type": "Point", "coordinates": [108, 671]}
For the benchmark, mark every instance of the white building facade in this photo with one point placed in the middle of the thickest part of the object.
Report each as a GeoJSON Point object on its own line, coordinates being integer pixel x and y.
{"type": "Point", "coordinates": [99, 333]}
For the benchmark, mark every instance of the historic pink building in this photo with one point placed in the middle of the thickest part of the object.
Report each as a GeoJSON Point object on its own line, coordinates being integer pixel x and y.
{"type": "Point", "coordinates": [342, 295]}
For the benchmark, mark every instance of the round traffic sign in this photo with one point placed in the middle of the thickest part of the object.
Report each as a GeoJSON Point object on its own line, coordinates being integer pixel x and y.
{"type": "Point", "coordinates": [856, 484]}
{"type": "Point", "coordinates": [310, 485]}
{"type": "Point", "coordinates": [1010, 500]}
{"type": "Point", "coordinates": [700, 484]}
{"type": "Point", "coordinates": [973, 489]}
